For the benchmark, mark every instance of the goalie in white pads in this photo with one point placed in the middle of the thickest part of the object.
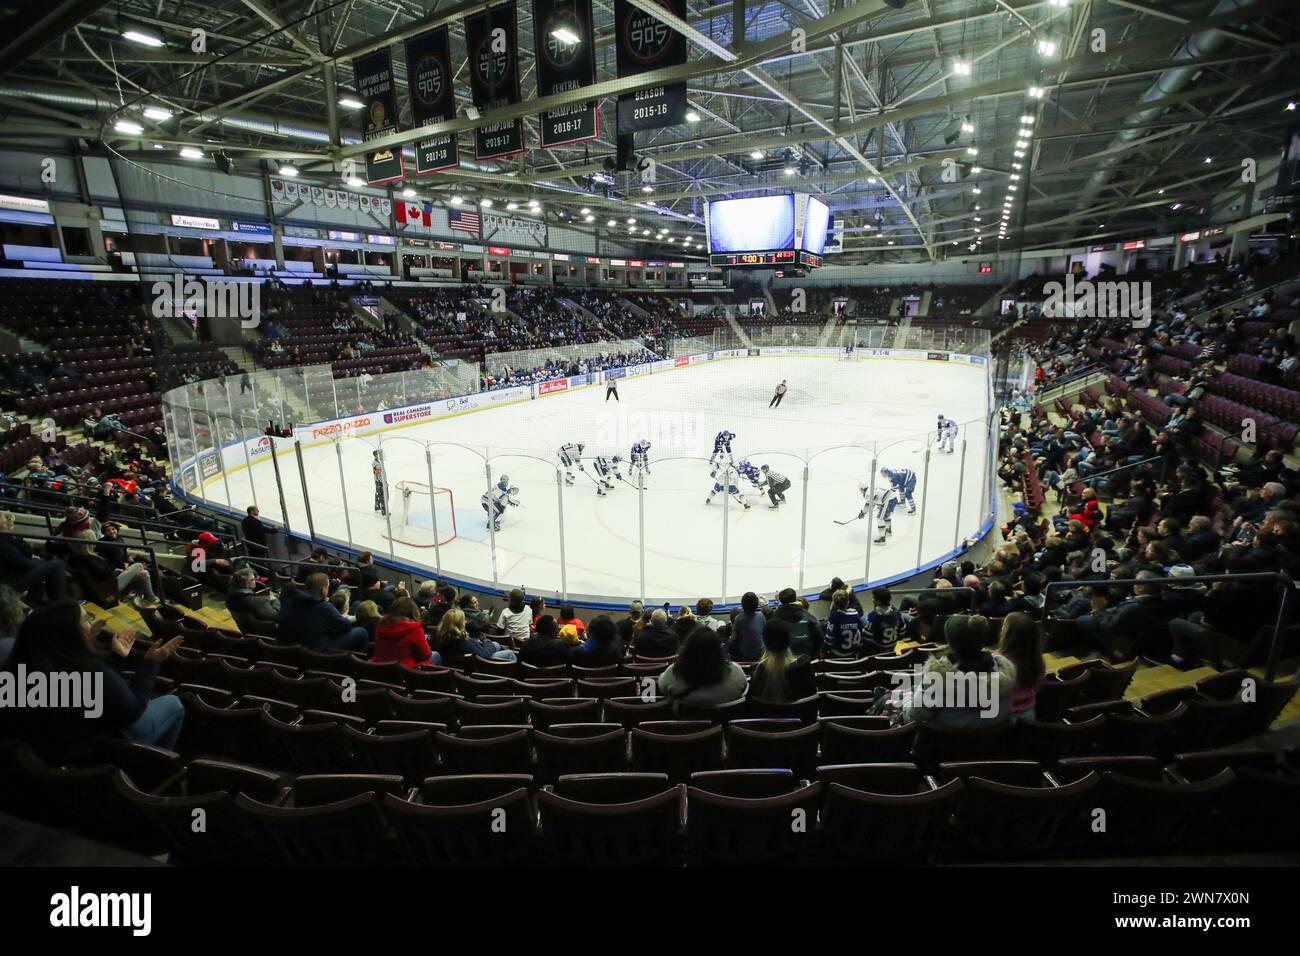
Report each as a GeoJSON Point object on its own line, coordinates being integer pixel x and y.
{"type": "Point", "coordinates": [726, 482]}
{"type": "Point", "coordinates": [607, 473]}
{"type": "Point", "coordinates": [640, 459]}
{"type": "Point", "coordinates": [886, 501]}
{"type": "Point", "coordinates": [721, 448]}
{"type": "Point", "coordinates": [947, 434]}
{"type": "Point", "coordinates": [494, 502]}
{"type": "Point", "coordinates": [571, 455]}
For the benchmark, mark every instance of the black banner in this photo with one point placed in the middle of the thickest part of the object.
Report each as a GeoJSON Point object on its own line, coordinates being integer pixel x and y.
{"type": "Point", "coordinates": [643, 43]}
{"type": "Point", "coordinates": [433, 100]}
{"type": "Point", "coordinates": [565, 62]}
{"type": "Point", "coordinates": [374, 78]}
{"type": "Point", "coordinates": [492, 43]}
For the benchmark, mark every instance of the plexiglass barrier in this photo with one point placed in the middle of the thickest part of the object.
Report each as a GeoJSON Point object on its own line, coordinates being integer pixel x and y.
{"type": "Point", "coordinates": [402, 469]}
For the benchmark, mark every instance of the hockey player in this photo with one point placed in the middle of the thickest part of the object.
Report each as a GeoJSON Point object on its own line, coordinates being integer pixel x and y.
{"type": "Point", "coordinates": [903, 480]}
{"type": "Point", "coordinates": [640, 458]}
{"type": "Point", "coordinates": [727, 482]}
{"type": "Point", "coordinates": [777, 485]}
{"type": "Point", "coordinates": [746, 470]}
{"type": "Point", "coordinates": [947, 434]}
{"type": "Point", "coordinates": [886, 501]}
{"type": "Point", "coordinates": [381, 484]}
{"type": "Point", "coordinates": [721, 446]}
{"type": "Point", "coordinates": [494, 502]}
{"type": "Point", "coordinates": [570, 455]}
{"type": "Point", "coordinates": [606, 473]}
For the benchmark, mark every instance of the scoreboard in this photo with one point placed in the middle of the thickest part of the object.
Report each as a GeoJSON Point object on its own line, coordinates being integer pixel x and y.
{"type": "Point", "coordinates": [785, 257]}
{"type": "Point", "coordinates": [787, 230]}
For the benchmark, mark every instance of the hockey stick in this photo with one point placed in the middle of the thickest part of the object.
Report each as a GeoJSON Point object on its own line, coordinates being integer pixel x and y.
{"type": "Point", "coordinates": [850, 521]}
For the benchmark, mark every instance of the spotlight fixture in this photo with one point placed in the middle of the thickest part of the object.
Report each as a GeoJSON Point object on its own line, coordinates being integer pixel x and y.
{"type": "Point", "coordinates": [967, 126]}
{"type": "Point", "coordinates": [972, 151]}
{"type": "Point", "coordinates": [512, 206]}
{"type": "Point", "coordinates": [142, 37]}
{"type": "Point", "coordinates": [157, 114]}
{"type": "Point", "coordinates": [351, 103]}
{"type": "Point", "coordinates": [589, 218]}
{"type": "Point", "coordinates": [631, 221]}
{"type": "Point", "coordinates": [647, 188]}
{"type": "Point", "coordinates": [1037, 92]}
{"type": "Point", "coordinates": [756, 154]}
{"type": "Point", "coordinates": [612, 222]}
{"type": "Point", "coordinates": [585, 211]}
{"type": "Point", "coordinates": [407, 193]}
{"type": "Point", "coordinates": [961, 67]}
{"type": "Point", "coordinates": [566, 36]}
{"type": "Point", "coordinates": [291, 171]}
{"type": "Point", "coordinates": [456, 200]}
{"type": "Point", "coordinates": [356, 182]}
{"type": "Point", "coordinates": [975, 190]}
{"type": "Point", "coordinates": [1027, 119]}
{"type": "Point", "coordinates": [191, 152]}
{"type": "Point", "coordinates": [692, 117]}
{"type": "Point", "coordinates": [1047, 47]}
{"type": "Point", "coordinates": [1022, 144]}
{"type": "Point", "coordinates": [128, 127]}
{"type": "Point", "coordinates": [485, 203]}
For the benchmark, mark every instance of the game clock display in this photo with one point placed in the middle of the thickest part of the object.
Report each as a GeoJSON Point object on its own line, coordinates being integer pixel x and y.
{"type": "Point", "coordinates": [784, 257]}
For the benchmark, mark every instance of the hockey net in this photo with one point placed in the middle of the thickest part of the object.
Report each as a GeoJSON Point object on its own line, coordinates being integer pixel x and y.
{"type": "Point", "coordinates": [421, 510]}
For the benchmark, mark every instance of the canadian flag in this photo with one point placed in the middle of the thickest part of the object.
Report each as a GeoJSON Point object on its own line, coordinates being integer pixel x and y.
{"type": "Point", "coordinates": [410, 212]}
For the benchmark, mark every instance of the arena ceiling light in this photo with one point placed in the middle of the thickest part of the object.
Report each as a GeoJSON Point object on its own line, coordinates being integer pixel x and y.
{"type": "Point", "coordinates": [972, 151]}
{"type": "Point", "coordinates": [1047, 48]}
{"type": "Point", "coordinates": [191, 152]}
{"type": "Point", "coordinates": [1019, 154]}
{"type": "Point", "coordinates": [1017, 165]}
{"type": "Point", "coordinates": [1022, 144]}
{"type": "Point", "coordinates": [589, 218]}
{"type": "Point", "coordinates": [1027, 119]}
{"type": "Point", "coordinates": [534, 204]}
{"type": "Point", "coordinates": [351, 103]}
{"type": "Point", "coordinates": [129, 127]}
{"type": "Point", "coordinates": [585, 211]}
{"type": "Point", "coordinates": [408, 192]}
{"type": "Point", "coordinates": [975, 190]}
{"type": "Point", "coordinates": [961, 67]}
{"type": "Point", "coordinates": [976, 170]}
{"type": "Point", "coordinates": [647, 188]}
{"type": "Point", "coordinates": [291, 171]}
{"type": "Point", "coordinates": [1025, 133]}
{"type": "Point", "coordinates": [631, 221]}
{"type": "Point", "coordinates": [645, 232]}
{"type": "Point", "coordinates": [967, 126]}
{"type": "Point", "coordinates": [1037, 92]}
{"type": "Point", "coordinates": [512, 206]}
{"type": "Point", "coordinates": [1208, 160]}
{"type": "Point", "coordinates": [355, 182]}
{"type": "Point", "coordinates": [457, 200]}
{"type": "Point", "coordinates": [157, 114]}
{"type": "Point", "coordinates": [1290, 107]}
{"type": "Point", "coordinates": [142, 37]}
{"type": "Point", "coordinates": [756, 154]}
{"type": "Point", "coordinates": [692, 117]}
{"type": "Point", "coordinates": [612, 222]}
{"type": "Point", "coordinates": [1015, 176]}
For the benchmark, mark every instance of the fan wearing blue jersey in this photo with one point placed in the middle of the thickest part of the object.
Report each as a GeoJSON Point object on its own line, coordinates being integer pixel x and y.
{"type": "Point", "coordinates": [903, 480]}
{"type": "Point", "coordinates": [721, 448]}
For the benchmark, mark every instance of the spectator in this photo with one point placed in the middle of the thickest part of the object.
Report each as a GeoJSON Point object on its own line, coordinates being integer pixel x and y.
{"type": "Point", "coordinates": [601, 647]}
{"type": "Point", "coordinates": [805, 630]}
{"type": "Point", "coordinates": [368, 616]}
{"type": "Point", "coordinates": [569, 618]}
{"type": "Point", "coordinates": [400, 637]}
{"type": "Point", "coordinates": [884, 624]}
{"type": "Point", "coordinates": [39, 579]}
{"type": "Point", "coordinates": [516, 618]}
{"type": "Point", "coordinates": [308, 618]}
{"type": "Point", "coordinates": [747, 630]}
{"type": "Point", "coordinates": [844, 627]}
{"type": "Point", "coordinates": [60, 638]}
{"type": "Point", "coordinates": [544, 648]}
{"type": "Point", "coordinates": [254, 532]}
{"type": "Point", "coordinates": [944, 693]}
{"type": "Point", "coordinates": [12, 615]}
{"type": "Point", "coordinates": [704, 612]}
{"type": "Point", "coordinates": [1021, 644]}
{"type": "Point", "coordinates": [658, 639]}
{"type": "Point", "coordinates": [455, 641]}
{"type": "Point", "coordinates": [780, 676]}
{"type": "Point", "coordinates": [702, 676]}
{"type": "Point", "coordinates": [628, 627]}
{"type": "Point", "coordinates": [253, 613]}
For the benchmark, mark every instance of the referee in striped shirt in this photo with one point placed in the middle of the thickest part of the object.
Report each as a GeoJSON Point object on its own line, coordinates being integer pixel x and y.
{"type": "Point", "coordinates": [777, 485]}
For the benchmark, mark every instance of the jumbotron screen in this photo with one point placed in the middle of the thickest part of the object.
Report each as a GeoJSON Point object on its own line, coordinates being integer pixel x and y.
{"type": "Point", "coordinates": [815, 226]}
{"type": "Point", "coordinates": [753, 224]}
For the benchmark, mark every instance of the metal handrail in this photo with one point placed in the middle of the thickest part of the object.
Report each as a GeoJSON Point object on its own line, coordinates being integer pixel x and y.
{"type": "Point", "coordinates": [22, 506]}
{"type": "Point", "coordinates": [1263, 577]}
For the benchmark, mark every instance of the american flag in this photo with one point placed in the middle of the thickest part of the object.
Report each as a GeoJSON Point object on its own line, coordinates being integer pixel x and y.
{"type": "Point", "coordinates": [462, 220]}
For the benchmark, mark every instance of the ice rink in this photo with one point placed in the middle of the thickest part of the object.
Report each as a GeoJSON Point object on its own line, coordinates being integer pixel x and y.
{"type": "Point", "coordinates": [837, 418]}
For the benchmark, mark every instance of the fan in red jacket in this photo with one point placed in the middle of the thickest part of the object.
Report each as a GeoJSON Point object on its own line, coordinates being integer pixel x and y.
{"type": "Point", "coordinates": [1089, 514]}
{"type": "Point", "coordinates": [400, 636]}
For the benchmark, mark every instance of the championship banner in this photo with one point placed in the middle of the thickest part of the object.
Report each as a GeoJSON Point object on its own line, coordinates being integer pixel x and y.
{"type": "Point", "coordinates": [643, 42]}
{"type": "Point", "coordinates": [433, 100]}
{"type": "Point", "coordinates": [492, 43]}
{"type": "Point", "coordinates": [565, 64]}
{"type": "Point", "coordinates": [374, 78]}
